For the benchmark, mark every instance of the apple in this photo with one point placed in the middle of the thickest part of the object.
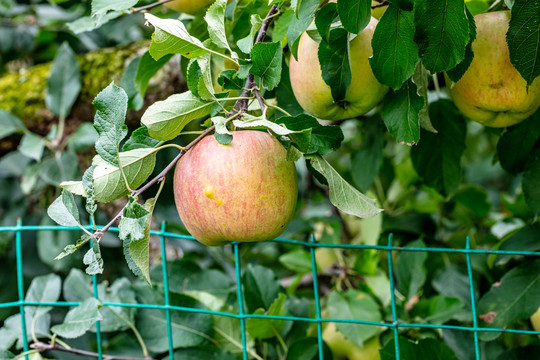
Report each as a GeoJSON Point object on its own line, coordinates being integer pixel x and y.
{"type": "Point", "coordinates": [492, 92]}
{"type": "Point", "coordinates": [535, 320]}
{"type": "Point", "coordinates": [315, 96]}
{"type": "Point", "coordinates": [378, 12]}
{"type": "Point", "coordinates": [343, 348]}
{"type": "Point", "coordinates": [245, 191]}
{"type": "Point", "coordinates": [188, 6]}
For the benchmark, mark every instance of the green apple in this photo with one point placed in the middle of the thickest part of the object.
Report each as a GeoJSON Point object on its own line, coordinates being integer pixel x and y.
{"type": "Point", "coordinates": [188, 6]}
{"type": "Point", "coordinates": [492, 92]}
{"type": "Point", "coordinates": [315, 96]}
{"type": "Point", "coordinates": [344, 349]}
{"type": "Point", "coordinates": [244, 191]}
{"type": "Point", "coordinates": [535, 320]}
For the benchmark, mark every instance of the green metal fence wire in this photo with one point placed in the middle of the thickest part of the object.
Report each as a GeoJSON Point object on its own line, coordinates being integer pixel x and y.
{"type": "Point", "coordinates": [242, 316]}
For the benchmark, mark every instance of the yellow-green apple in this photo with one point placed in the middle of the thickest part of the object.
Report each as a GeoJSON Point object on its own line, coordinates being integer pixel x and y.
{"type": "Point", "coordinates": [378, 12]}
{"type": "Point", "coordinates": [244, 191]}
{"type": "Point", "coordinates": [188, 6]}
{"type": "Point", "coordinates": [535, 320]}
{"type": "Point", "coordinates": [343, 349]}
{"type": "Point", "coordinates": [315, 96]}
{"type": "Point", "coordinates": [492, 92]}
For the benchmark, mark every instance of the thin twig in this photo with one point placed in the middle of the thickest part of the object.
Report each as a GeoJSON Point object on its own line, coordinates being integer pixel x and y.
{"type": "Point", "coordinates": [40, 346]}
{"type": "Point", "coordinates": [380, 4]}
{"type": "Point", "coordinates": [147, 7]}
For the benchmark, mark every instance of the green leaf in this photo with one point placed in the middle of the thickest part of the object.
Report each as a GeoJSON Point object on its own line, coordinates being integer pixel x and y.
{"type": "Point", "coordinates": [531, 182]}
{"type": "Point", "coordinates": [135, 100]}
{"type": "Point", "coordinates": [78, 288]}
{"type": "Point", "coordinates": [89, 23]}
{"type": "Point", "coordinates": [264, 328]}
{"type": "Point", "coordinates": [189, 329]}
{"type": "Point", "coordinates": [246, 44]}
{"type": "Point", "coordinates": [406, 5]}
{"type": "Point", "coordinates": [166, 119]}
{"type": "Point", "coordinates": [186, 275]}
{"type": "Point", "coordinates": [146, 69]}
{"type": "Point", "coordinates": [354, 14]}
{"type": "Point", "coordinates": [437, 158]}
{"type": "Point", "coordinates": [324, 19]}
{"type": "Point", "coordinates": [366, 162]}
{"type": "Point", "coordinates": [171, 37]}
{"type": "Point", "coordinates": [523, 39]}
{"type": "Point", "coordinates": [132, 226]}
{"type": "Point", "coordinates": [215, 18]}
{"type": "Point", "coordinates": [84, 137]}
{"type": "Point", "coordinates": [285, 95]}
{"type": "Point", "coordinates": [10, 124]}
{"type": "Point", "coordinates": [229, 80]}
{"type": "Point", "coordinates": [420, 79]}
{"type": "Point", "coordinates": [93, 259]}
{"type": "Point", "coordinates": [64, 211]}
{"type": "Point", "coordinates": [257, 122]}
{"type": "Point", "coordinates": [109, 183]}
{"type": "Point", "coordinates": [200, 78]}
{"type": "Point", "coordinates": [305, 13]}
{"type": "Point", "coordinates": [103, 6]}
{"type": "Point", "coordinates": [222, 134]}
{"type": "Point", "coordinates": [335, 63]}
{"type": "Point", "coordinates": [266, 58]}
{"type": "Point", "coordinates": [442, 33]}
{"type": "Point", "coordinates": [456, 73]}
{"type": "Point", "coordinates": [410, 272]}
{"type": "Point", "coordinates": [261, 287]}
{"type": "Point", "coordinates": [12, 330]}
{"type": "Point", "coordinates": [354, 304]}
{"type": "Point", "coordinates": [423, 349]}
{"type": "Point", "coordinates": [310, 136]}
{"type": "Point", "coordinates": [88, 185]}
{"type": "Point", "coordinates": [525, 239]}
{"type": "Point", "coordinates": [281, 25]}
{"type": "Point", "coordinates": [298, 260]}
{"type": "Point", "coordinates": [70, 248]}
{"type": "Point", "coordinates": [32, 145]}
{"type": "Point", "coordinates": [516, 296]}
{"type": "Point", "coordinates": [437, 309]}
{"type": "Point", "coordinates": [111, 105]}
{"type": "Point", "coordinates": [141, 139]}
{"type": "Point", "coordinates": [45, 288]}
{"type": "Point", "coordinates": [79, 319]}
{"type": "Point", "coordinates": [51, 242]}
{"type": "Point", "coordinates": [64, 82]}
{"type": "Point", "coordinates": [517, 143]}
{"type": "Point", "coordinates": [135, 232]}
{"type": "Point", "coordinates": [342, 194]}
{"type": "Point", "coordinates": [395, 53]}
{"type": "Point", "coordinates": [401, 111]}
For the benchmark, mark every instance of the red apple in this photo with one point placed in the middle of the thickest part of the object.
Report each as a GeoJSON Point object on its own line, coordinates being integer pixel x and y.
{"type": "Point", "coordinates": [245, 191]}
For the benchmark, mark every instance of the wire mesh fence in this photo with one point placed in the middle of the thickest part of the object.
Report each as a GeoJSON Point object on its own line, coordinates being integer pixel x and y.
{"type": "Point", "coordinates": [242, 316]}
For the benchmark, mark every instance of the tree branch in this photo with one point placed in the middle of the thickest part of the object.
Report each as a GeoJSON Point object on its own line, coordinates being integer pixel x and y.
{"type": "Point", "coordinates": [147, 7]}
{"type": "Point", "coordinates": [242, 105]}
{"type": "Point", "coordinates": [41, 347]}
{"type": "Point", "coordinates": [380, 4]}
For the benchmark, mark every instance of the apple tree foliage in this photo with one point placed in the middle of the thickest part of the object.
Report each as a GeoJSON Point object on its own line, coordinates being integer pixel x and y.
{"type": "Point", "coordinates": [414, 167]}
